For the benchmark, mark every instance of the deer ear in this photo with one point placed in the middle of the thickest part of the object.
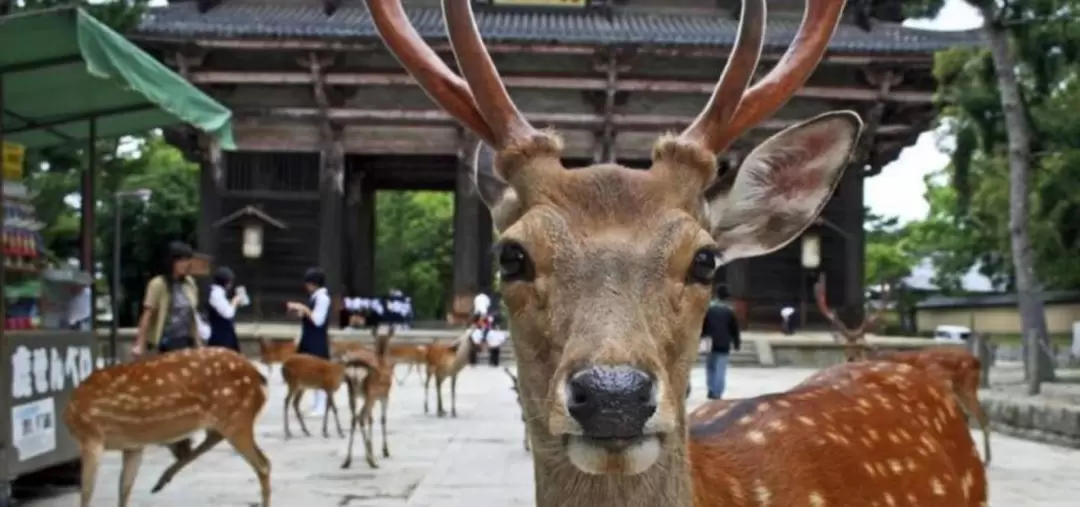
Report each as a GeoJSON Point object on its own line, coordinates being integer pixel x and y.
{"type": "Point", "coordinates": [783, 185]}
{"type": "Point", "coordinates": [496, 194]}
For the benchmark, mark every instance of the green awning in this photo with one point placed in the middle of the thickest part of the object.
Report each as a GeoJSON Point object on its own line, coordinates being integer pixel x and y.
{"type": "Point", "coordinates": [61, 68]}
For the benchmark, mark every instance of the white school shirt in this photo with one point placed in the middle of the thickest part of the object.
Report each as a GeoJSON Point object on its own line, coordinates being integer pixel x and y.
{"type": "Point", "coordinates": [481, 303]}
{"type": "Point", "coordinates": [220, 302]}
{"type": "Point", "coordinates": [321, 308]}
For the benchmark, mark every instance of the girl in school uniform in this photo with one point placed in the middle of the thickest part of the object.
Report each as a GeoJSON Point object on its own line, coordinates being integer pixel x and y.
{"type": "Point", "coordinates": [221, 311]}
{"type": "Point", "coordinates": [314, 327]}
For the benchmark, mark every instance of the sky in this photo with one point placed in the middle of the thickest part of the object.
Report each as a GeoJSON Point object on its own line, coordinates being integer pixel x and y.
{"type": "Point", "coordinates": [899, 189]}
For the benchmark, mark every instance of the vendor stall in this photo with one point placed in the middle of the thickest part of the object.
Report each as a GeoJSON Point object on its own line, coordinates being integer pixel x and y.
{"type": "Point", "coordinates": [64, 78]}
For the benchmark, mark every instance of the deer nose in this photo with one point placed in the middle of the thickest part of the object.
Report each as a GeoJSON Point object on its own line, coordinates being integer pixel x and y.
{"type": "Point", "coordinates": [611, 402]}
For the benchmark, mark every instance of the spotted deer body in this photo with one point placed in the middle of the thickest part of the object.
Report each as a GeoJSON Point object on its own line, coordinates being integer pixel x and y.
{"type": "Point", "coordinates": [303, 372]}
{"type": "Point", "coordinates": [956, 364]}
{"type": "Point", "coordinates": [607, 271]}
{"type": "Point", "coordinates": [444, 362]}
{"type": "Point", "coordinates": [370, 375]}
{"type": "Point", "coordinates": [162, 401]}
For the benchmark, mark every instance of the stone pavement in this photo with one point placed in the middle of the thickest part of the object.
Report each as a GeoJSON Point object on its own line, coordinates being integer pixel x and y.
{"type": "Point", "coordinates": [477, 459]}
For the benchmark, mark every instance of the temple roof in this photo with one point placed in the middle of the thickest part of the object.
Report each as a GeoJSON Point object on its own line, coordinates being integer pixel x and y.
{"type": "Point", "coordinates": [623, 26]}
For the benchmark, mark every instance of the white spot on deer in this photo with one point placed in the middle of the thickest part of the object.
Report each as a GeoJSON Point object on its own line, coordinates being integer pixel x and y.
{"type": "Point", "coordinates": [869, 469]}
{"type": "Point", "coordinates": [777, 425]}
{"type": "Point", "coordinates": [889, 500]}
{"type": "Point", "coordinates": [745, 420]}
{"type": "Point", "coordinates": [937, 487]}
{"type": "Point", "coordinates": [756, 437]}
{"type": "Point", "coordinates": [816, 500]}
{"type": "Point", "coordinates": [763, 495]}
{"type": "Point", "coordinates": [806, 421]}
{"type": "Point", "coordinates": [896, 467]}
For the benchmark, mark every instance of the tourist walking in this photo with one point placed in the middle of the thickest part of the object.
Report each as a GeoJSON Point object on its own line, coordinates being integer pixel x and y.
{"type": "Point", "coordinates": [722, 328]}
{"type": "Point", "coordinates": [314, 327]}
{"type": "Point", "coordinates": [221, 311]}
{"type": "Point", "coordinates": [168, 321]}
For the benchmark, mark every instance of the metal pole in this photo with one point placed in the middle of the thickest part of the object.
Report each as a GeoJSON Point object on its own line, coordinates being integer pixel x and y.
{"type": "Point", "coordinates": [89, 210]}
{"type": "Point", "coordinates": [114, 326]}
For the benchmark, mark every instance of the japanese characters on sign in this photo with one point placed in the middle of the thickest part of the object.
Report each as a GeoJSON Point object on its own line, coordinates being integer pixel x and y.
{"type": "Point", "coordinates": [43, 370]}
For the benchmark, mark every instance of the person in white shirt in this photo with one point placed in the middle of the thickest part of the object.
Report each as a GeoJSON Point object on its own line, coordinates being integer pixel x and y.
{"type": "Point", "coordinates": [481, 306]}
{"type": "Point", "coordinates": [221, 311]}
{"type": "Point", "coordinates": [80, 309]}
{"type": "Point", "coordinates": [314, 330]}
{"type": "Point", "coordinates": [787, 323]}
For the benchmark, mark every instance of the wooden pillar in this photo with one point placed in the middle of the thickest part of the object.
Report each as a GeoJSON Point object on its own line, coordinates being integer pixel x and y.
{"type": "Point", "coordinates": [467, 238]}
{"type": "Point", "coordinates": [211, 182]}
{"type": "Point", "coordinates": [855, 247]}
{"type": "Point", "coordinates": [485, 232]}
{"type": "Point", "coordinates": [331, 209]}
{"type": "Point", "coordinates": [359, 262]}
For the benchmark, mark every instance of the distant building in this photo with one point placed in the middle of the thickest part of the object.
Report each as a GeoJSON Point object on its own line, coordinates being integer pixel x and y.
{"type": "Point", "coordinates": [996, 312]}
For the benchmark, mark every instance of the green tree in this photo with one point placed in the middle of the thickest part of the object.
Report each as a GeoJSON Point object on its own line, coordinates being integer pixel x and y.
{"type": "Point", "coordinates": [415, 247]}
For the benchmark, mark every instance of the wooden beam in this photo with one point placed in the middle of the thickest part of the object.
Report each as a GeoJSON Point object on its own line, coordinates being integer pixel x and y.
{"type": "Point", "coordinates": [251, 44]}
{"type": "Point", "coordinates": [607, 129]}
{"type": "Point", "coordinates": [884, 79]}
{"type": "Point", "coordinates": [545, 83]}
{"type": "Point", "coordinates": [570, 120]}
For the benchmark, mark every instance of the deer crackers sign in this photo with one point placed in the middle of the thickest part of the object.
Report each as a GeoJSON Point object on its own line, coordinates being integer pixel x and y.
{"type": "Point", "coordinates": [38, 375]}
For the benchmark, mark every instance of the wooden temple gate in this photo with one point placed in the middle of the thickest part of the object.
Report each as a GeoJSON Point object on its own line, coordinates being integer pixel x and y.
{"type": "Point", "coordinates": [325, 116]}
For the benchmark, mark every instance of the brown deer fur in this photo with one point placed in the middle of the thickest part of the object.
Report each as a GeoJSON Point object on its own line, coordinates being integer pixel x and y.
{"type": "Point", "coordinates": [442, 363]}
{"type": "Point", "coordinates": [412, 355]}
{"type": "Point", "coordinates": [960, 366]}
{"type": "Point", "coordinates": [607, 267]}
{"type": "Point", "coordinates": [162, 400]}
{"type": "Point", "coordinates": [305, 371]}
{"type": "Point", "coordinates": [374, 387]}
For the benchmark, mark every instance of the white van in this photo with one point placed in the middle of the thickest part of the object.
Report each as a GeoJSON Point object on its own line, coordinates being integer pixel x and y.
{"type": "Point", "coordinates": [954, 334]}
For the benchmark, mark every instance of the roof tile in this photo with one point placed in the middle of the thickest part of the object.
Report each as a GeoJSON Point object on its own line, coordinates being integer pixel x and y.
{"type": "Point", "coordinates": [525, 26]}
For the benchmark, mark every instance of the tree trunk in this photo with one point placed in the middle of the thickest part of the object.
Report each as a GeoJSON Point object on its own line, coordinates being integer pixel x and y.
{"type": "Point", "coordinates": [1039, 360]}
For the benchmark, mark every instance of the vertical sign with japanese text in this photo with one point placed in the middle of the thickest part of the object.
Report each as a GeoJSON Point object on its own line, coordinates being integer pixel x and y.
{"type": "Point", "coordinates": [38, 374]}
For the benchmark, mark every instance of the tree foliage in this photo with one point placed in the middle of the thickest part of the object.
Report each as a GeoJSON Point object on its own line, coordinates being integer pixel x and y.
{"type": "Point", "coordinates": [968, 221]}
{"type": "Point", "coordinates": [415, 248]}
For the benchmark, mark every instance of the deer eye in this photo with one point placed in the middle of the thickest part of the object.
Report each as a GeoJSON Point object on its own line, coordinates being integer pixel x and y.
{"type": "Point", "coordinates": [704, 266]}
{"type": "Point", "coordinates": [514, 263]}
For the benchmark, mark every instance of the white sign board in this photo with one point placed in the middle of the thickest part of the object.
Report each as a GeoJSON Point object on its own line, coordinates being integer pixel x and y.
{"type": "Point", "coordinates": [1076, 339]}
{"type": "Point", "coordinates": [33, 428]}
{"type": "Point", "coordinates": [44, 370]}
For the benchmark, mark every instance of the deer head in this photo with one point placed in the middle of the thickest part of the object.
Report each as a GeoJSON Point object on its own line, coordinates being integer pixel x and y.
{"type": "Point", "coordinates": [854, 339]}
{"type": "Point", "coordinates": [606, 270]}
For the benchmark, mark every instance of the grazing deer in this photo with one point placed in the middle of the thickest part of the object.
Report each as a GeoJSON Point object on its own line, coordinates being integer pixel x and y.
{"type": "Point", "coordinates": [517, 396]}
{"type": "Point", "coordinates": [607, 272]}
{"type": "Point", "coordinates": [853, 339]}
{"type": "Point", "coordinates": [445, 361]}
{"type": "Point", "coordinates": [162, 401]}
{"type": "Point", "coordinates": [960, 366]}
{"type": "Point", "coordinates": [374, 387]}
{"type": "Point", "coordinates": [412, 355]}
{"type": "Point", "coordinates": [305, 371]}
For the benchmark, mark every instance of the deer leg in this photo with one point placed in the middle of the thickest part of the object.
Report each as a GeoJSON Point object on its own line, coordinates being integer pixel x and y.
{"type": "Point", "coordinates": [91, 458]}
{"type": "Point", "coordinates": [438, 397]}
{"type": "Point", "coordinates": [453, 396]}
{"type": "Point", "coordinates": [427, 384]}
{"type": "Point", "coordinates": [354, 421]}
{"type": "Point", "coordinates": [367, 427]}
{"type": "Point", "coordinates": [975, 410]}
{"type": "Point", "coordinates": [243, 440]}
{"type": "Point", "coordinates": [326, 415]}
{"type": "Point", "coordinates": [296, 410]}
{"type": "Point", "coordinates": [288, 400]}
{"type": "Point", "coordinates": [382, 421]}
{"type": "Point", "coordinates": [337, 420]}
{"type": "Point", "coordinates": [132, 460]}
{"type": "Point", "coordinates": [212, 439]}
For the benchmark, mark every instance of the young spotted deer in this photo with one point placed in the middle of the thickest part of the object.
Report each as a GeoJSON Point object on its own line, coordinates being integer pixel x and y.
{"type": "Point", "coordinates": [606, 272]}
{"type": "Point", "coordinates": [517, 395]}
{"type": "Point", "coordinates": [445, 361]}
{"type": "Point", "coordinates": [305, 371]}
{"type": "Point", "coordinates": [959, 366]}
{"type": "Point", "coordinates": [374, 386]}
{"type": "Point", "coordinates": [162, 401]}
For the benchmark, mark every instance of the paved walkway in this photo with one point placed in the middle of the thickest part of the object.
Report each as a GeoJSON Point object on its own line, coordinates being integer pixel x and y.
{"type": "Point", "coordinates": [477, 459]}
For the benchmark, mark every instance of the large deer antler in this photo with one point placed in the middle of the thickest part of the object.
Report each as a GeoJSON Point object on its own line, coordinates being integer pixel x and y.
{"type": "Point", "coordinates": [481, 103]}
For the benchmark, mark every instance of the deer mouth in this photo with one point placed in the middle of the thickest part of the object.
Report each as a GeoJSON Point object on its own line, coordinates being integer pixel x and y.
{"type": "Point", "coordinates": [613, 455]}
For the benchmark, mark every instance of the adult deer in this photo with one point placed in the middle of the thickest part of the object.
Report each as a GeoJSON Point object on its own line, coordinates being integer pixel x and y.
{"type": "Point", "coordinates": [960, 366]}
{"type": "Point", "coordinates": [446, 362]}
{"type": "Point", "coordinates": [606, 272]}
{"type": "Point", "coordinates": [304, 371]}
{"type": "Point", "coordinates": [413, 355]}
{"type": "Point", "coordinates": [162, 401]}
{"type": "Point", "coordinates": [374, 387]}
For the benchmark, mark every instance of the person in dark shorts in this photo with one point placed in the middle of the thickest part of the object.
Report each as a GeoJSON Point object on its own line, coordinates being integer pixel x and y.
{"type": "Point", "coordinates": [169, 321]}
